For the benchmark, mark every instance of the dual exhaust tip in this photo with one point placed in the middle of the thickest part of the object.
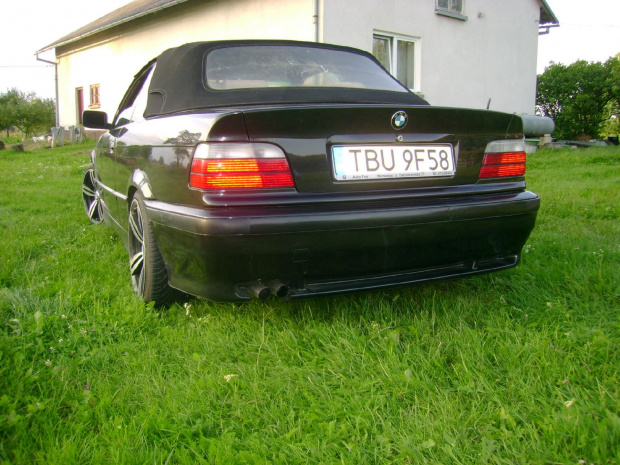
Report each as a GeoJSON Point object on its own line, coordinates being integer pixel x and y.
{"type": "Point", "coordinates": [262, 290]}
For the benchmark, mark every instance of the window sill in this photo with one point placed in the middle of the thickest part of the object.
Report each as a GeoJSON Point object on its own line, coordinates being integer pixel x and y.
{"type": "Point", "coordinates": [451, 14]}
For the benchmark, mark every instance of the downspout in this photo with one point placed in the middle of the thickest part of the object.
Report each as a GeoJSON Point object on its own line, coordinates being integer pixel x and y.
{"type": "Point", "coordinates": [56, 83]}
{"type": "Point", "coordinates": [315, 20]}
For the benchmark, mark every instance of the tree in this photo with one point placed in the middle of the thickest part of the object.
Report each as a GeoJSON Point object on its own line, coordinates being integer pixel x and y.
{"type": "Point", "coordinates": [27, 111]}
{"type": "Point", "coordinates": [9, 103]}
{"type": "Point", "coordinates": [578, 96]}
{"type": "Point", "coordinates": [611, 125]}
{"type": "Point", "coordinates": [38, 114]}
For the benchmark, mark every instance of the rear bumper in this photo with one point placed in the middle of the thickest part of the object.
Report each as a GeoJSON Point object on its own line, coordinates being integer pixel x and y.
{"type": "Point", "coordinates": [322, 249]}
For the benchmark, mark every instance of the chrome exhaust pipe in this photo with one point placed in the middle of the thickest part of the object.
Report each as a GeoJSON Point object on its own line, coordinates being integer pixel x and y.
{"type": "Point", "coordinates": [259, 290]}
{"type": "Point", "coordinates": [278, 288]}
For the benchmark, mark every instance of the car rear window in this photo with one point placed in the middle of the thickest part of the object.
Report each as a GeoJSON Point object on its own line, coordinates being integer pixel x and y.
{"type": "Point", "coordinates": [264, 66]}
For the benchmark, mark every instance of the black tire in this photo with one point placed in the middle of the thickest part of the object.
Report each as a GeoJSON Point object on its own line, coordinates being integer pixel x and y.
{"type": "Point", "coordinates": [149, 275]}
{"type": "Point", "coordinates": [90, 196]}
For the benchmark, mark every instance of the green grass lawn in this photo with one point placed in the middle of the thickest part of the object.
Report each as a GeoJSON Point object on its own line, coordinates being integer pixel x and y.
{"type": "Point", "coordinates": [515, 367]}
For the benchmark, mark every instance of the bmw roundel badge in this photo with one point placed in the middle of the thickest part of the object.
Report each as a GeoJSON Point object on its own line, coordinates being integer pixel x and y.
{"type": "Point", "coordinates": [399, 120]}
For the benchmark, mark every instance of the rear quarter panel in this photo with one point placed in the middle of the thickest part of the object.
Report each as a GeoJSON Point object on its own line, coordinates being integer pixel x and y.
{"type": "Point", "coordinates": [161, 150]}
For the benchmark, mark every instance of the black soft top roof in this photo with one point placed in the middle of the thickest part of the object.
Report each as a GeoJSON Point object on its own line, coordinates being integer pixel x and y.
{"type": "Point", "coordinates": [178, 83]}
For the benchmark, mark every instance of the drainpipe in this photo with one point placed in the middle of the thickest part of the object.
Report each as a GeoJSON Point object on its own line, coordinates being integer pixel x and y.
{"type": "Point", "coordinates": [315, 20]}
{"type": "Point", "coordinates": [56, 83]}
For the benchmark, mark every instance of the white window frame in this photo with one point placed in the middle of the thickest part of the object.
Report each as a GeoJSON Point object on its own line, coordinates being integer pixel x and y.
{"type": "Point", "coordinates": [393, 58]}
{"type": "Point", "coordinates": [451, 11]}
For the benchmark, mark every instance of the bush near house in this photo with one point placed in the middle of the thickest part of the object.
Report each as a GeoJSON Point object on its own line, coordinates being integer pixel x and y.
{"type": "Point", "coordinates": [582, 98]}
{"type": "Point", "coordinates": [520, 366]}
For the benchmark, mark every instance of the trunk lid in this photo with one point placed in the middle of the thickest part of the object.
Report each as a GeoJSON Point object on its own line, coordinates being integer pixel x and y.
{"type": "Point", "coordinates": [309, 134]}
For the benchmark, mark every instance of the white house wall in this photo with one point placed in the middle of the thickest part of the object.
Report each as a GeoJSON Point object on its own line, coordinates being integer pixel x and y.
{"type": "Point", "coordinates": [492, 55]}
{"type": "Point", "coordinates": [113, 61]}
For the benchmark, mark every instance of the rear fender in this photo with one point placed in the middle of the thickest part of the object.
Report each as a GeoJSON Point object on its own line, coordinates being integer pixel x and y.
{"type": "Point", "coordinates": [139, 181]}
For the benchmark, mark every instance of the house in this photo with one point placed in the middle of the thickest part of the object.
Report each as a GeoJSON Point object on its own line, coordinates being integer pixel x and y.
{"type": "Point", "coordinates": [467, 53]}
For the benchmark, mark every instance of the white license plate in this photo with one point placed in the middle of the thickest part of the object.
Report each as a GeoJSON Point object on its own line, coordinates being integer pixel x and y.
{"type": "Point", "coordinates": [360, 162]}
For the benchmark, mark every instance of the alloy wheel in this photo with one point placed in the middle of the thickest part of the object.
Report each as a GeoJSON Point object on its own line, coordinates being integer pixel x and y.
{"type": "Point", "coordinates": [91, 198]}
{"type": "Point", "coordinates": [136, 246]}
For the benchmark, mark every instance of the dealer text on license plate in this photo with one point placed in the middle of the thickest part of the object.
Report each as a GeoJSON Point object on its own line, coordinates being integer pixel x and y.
{"type": "Point", "coordinates": [357, 162]}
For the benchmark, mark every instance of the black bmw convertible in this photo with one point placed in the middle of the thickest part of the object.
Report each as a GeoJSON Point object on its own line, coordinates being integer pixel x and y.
{"type": "Point", "coordinates": [240, 169]}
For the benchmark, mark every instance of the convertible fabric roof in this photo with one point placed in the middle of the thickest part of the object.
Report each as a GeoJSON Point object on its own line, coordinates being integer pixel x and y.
{"type": "Point", "coordinates": [178, 83]}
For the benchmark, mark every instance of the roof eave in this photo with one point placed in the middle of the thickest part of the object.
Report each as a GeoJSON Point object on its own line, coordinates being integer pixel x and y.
{"type": "Point", "coordinates": [547, 16]}
{"type": "Point", "coordinates": [110, 26]}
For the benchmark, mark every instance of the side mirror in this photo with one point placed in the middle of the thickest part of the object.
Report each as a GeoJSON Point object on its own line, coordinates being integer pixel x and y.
{"type": "Point", "coordinates": [95, 119]}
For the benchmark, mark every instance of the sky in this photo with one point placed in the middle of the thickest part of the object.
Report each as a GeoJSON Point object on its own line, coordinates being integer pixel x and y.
{"type": "Point", "coordinates": [30, 25]}
{"type": "Point", "coordinates": [588, 31]}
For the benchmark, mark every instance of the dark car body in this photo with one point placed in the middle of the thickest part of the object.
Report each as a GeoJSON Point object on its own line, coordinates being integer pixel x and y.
{"type": "Point", "coordinates": [227, 180]}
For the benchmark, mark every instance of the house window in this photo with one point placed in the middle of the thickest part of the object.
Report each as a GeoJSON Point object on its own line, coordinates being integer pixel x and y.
{"type": "Point", "coordinates": [451, 8]}
{"type": "Point", "coordinates": [94, 96]}
{"type": "Point", "coordinates": [400, 56]}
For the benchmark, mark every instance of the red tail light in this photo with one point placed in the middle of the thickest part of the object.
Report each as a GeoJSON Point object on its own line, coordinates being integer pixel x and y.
{"type": "Point", "coordinates": [240, 166]}
{"type": "Point", "coordinates": [503, 158]}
